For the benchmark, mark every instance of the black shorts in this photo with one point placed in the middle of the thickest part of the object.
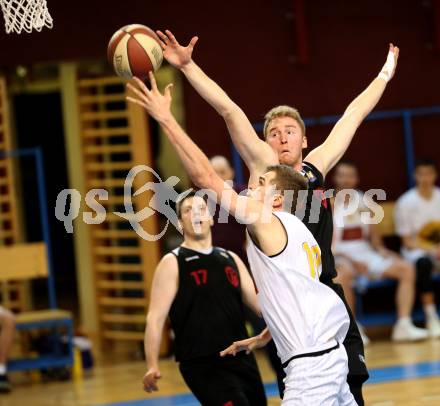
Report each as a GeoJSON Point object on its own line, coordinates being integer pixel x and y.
{"type": "Point", "coordinates": [228, 381]}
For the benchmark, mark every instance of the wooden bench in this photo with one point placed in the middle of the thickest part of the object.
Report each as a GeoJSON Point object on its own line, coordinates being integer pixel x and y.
{"type": "Point", "coordinates": [25, 262]}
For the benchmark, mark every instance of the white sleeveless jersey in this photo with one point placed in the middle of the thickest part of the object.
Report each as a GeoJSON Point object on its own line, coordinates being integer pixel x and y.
{"type": "Point", "coordinates": [303, 315]}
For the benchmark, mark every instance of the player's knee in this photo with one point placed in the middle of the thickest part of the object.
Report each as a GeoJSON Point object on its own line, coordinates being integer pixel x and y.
{"type": "Point", "coordinates": [407, 271]}
{"type": "Point", "coordinates": [345, 274]}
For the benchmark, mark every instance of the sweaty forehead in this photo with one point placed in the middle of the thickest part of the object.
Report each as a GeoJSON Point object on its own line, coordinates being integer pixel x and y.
{"type": "Point", "coordinates": [425, 169]}
{"type": "Point", "coordinates": [195, 201]}
{"type": "Point", "coordinates": [282, 122]}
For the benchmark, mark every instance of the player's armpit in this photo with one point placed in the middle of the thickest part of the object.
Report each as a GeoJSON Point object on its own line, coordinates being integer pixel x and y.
{"type": "Point", "coordinates": [269, 235]}
{"type": "Point", "coordinates": [256, 153]}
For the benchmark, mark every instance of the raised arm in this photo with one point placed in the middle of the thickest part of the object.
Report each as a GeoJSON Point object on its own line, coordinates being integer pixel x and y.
{"type": "Point", "coordinates": [255, 152]}
{"type": "Point", "coordinates": [194, 160]}
{"type": "Point", "coordinates": [331, 151]}
{"type": "Point", "coordinates": [258, 216]}
{"type": "Point", "coordinates": [163, 292]}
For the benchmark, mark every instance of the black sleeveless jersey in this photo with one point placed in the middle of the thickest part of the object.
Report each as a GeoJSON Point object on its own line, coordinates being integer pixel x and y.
{"type": "Point", "coordinates": [207, 314]}
{"type": "Point", "coordinates": [319, 219]}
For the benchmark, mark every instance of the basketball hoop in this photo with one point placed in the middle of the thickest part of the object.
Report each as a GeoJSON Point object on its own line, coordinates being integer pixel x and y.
{"type": "Point", "coordinates": [25, 15]}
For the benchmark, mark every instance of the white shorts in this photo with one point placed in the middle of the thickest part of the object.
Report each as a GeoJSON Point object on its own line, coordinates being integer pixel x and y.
{"type": "Point", "coordinates": [318, 380]}
{"type": "Point", "coordinates": [376, 263]}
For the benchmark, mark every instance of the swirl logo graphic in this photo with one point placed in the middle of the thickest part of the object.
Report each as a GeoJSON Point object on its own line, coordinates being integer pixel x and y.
{"type": "Point", "coordinates": [164, 193]}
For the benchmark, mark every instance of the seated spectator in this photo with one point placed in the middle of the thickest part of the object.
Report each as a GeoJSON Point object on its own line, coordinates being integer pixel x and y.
{"type": "Point", "coordinates": [7, 328]}
{"type": "Point", "coordinates": [417, 219]}
{"type": "Point", "coordinates": [361, 245]}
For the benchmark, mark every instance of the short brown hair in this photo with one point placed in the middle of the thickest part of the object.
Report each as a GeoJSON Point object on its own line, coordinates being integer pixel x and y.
{"type": "Point", "coordinates": [180, 201]}
{"type": "Point", "coordinates": [283, 111]}
{"type": "Point", "coordinates": [287, 178]}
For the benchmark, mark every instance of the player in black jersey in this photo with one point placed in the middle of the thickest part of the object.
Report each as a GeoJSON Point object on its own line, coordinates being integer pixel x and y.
{"type": "Point", "coordinates": [284, 133]}
{"type": "Point", "coordinates": [203, 288]}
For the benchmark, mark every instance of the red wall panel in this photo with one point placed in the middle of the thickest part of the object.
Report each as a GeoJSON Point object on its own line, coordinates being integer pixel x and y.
{"type": "Point", "coordinates": [245, 46]}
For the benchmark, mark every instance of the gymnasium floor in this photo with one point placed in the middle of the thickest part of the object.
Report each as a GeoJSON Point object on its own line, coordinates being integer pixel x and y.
{"type": "Point", "coordinates": [401, 374]}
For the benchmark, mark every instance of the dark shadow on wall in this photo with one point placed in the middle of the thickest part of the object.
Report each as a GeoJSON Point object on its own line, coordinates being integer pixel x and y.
{"type": "Point", "coordinates": [39, 123]}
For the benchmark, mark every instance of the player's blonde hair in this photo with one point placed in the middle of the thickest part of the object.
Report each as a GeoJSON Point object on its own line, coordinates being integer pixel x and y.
{"type": "Point", "coordinates": [283, 111]}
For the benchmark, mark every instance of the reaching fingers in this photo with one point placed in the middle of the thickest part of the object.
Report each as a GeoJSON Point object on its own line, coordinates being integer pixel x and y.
{"type": "Point", "coordinates": [162, 36]}
{"type": "Point", "coordinates": [152, 81]}
{"type": "Point", "coordinates": [234, 348]}
{"type": "Point", "coordinates": [135, 90]}
{"type": "Point", "coordinates": [163, 39]}
{"type": "Point", "coordinates": [193, 42]}
{"type": "Point", "coordinates": [136, 101]}
{"type": "Point", "coordinates": [231, 350]}
{"type": "Point", "coordinates": [167, 90]}
{"type": "Point", "coordinates": [162, 44]}
{"type": "Point", "coordinates": [171, 37]}
{"type": "Point", "coordinates": [142, 86]}
{"type": "Point", "coordinates": [142, 96]}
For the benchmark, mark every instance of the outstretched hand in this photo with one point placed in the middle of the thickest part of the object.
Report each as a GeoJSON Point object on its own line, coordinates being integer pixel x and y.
{"type": "Point", "coordinates": [390, 66]}
{"type": "Point", "coordinates": [176, 54]}
{"type": "Point", "coordinates": [247, 345]}
{"type": "Point", "coordinates": [157, 104]}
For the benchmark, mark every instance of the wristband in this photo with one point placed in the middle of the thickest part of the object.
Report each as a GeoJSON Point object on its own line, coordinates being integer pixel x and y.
{"type": "Point", "coordinates": [388, 68]}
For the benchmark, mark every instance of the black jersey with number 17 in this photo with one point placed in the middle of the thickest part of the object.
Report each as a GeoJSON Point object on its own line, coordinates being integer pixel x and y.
{"type": "Point", "coordinates": [319, 220]}
{"type": "Point", "coordinates": [207, 314]}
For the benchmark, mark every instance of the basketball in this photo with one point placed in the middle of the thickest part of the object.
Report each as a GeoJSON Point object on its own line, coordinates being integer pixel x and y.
{"type": "Point", "coordinates": [134, 50]}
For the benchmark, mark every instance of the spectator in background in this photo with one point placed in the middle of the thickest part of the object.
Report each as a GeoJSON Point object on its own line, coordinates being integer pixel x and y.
{"type": "Point", "coordinates": [417, 219]}
{"type": "Point", "coordinates": [360, 250]}
{"type": "Point", "coordinates": [7, 329]}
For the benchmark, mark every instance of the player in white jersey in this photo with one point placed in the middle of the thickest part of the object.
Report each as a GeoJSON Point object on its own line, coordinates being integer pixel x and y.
{"type": "Point", "coordinates": [306, 318]}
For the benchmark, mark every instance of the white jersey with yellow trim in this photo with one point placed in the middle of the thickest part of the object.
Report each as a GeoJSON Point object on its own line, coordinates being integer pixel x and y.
{"type": "Point", "coordinates": [303, 315]}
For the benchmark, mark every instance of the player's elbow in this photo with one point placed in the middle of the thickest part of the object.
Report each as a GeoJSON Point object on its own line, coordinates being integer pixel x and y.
{"type": "Point", "coordinates": [229, 110]}
{"type": "Point", "coordinates": [204, 179]}
{"type": "Point", "coordinates": [154, 320]}
{"type": "Point", "coordinates": [355, 115]}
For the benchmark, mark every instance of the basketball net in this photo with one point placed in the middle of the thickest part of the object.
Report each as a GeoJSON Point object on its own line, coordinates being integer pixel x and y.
{"type": "Point", "coordinates": [25, 15]}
